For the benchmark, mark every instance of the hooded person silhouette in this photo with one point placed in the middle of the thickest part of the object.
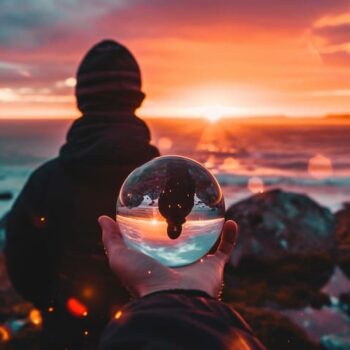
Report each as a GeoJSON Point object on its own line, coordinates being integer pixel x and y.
{"type": "Point", "coordinates": [53, 249]}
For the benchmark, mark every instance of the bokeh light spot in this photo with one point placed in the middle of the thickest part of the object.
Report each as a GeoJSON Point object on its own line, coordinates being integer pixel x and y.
{"type": "Point", "coordinates": [165, 143]}
{"type": "Point", "coordinates": [35, 317]}
{"type": "Point", "coordinates": [88, 292]}
{"type": "Point", "coordinates": [4, 334]}
{"type": "Point", "coordinates": [256, 185]}
{"type": "Point", "coordinates": [76, 308]}
{"type": "Point", "coordinates": [118, 314]}
{"type": "Point", "coordinates": [70, 82]}
{"type": "Point", "coordinates": [320, 167]}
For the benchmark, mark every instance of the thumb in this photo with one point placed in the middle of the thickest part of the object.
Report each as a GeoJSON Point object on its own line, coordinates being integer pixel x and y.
{"type": "Point", "coordinates": [228, 240]}
{"type": "Point", "coordinates": [111, 237]}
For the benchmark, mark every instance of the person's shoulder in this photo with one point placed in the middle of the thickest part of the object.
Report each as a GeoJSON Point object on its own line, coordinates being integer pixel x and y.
{"type": "Point", "coordinates": [45, 170]}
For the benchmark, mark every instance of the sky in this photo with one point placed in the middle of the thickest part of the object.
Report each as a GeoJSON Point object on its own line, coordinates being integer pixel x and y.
{"type": "Point", "coordinates": [198, 57]}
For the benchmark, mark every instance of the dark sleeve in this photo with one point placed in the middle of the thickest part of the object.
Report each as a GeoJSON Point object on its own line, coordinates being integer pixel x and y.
{"type": "Point", "coordinates": [27, 258]}
{"type": "Point", "coordinates": [178, 320]}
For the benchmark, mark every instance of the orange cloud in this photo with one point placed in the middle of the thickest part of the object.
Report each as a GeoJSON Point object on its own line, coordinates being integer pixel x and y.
{"type": "Point", "coordinates": [247, 57]}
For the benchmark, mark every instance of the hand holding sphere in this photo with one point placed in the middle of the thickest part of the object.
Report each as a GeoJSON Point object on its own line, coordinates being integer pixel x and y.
{"type": "Point", "coordinates": [143, 275]}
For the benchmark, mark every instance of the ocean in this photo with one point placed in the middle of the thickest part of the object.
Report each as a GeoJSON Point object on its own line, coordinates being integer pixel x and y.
{"type": "Point", "coordinates": [246, 157]}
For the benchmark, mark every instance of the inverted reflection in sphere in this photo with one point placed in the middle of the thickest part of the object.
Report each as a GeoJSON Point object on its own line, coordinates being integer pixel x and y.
{"type": "Point", "coordinates": [171, 209]}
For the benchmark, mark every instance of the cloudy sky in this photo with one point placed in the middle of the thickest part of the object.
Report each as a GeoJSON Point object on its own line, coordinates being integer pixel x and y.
{"type": "Point", "coordinates": [198, 57]}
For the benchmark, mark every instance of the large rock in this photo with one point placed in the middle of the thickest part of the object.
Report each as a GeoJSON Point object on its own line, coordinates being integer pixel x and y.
{"type": "Point", "coordinates": [284, 253]}
{"type": "Point", "coordinates": [2, 232]}
{"type": "Point", "coordinates": [342, 234]}
{"type": "Point", "coordinates": [276, 331]}
{"type": "Point", "coordinates": [277, 224]}
{"type": "Point", "coordinates": [11, 304]}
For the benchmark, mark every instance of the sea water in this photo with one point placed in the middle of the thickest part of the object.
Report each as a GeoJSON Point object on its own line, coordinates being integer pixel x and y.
{"type": "Point", "coordinates": [149, 236]}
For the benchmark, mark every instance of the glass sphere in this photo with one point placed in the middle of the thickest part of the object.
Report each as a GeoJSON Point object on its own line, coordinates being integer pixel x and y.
{"type": "Point", "coordinates": [171, 209]}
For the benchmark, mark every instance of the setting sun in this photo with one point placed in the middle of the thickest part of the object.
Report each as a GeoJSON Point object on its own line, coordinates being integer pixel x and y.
{"type": "Point", "coordinates": [213, 113]}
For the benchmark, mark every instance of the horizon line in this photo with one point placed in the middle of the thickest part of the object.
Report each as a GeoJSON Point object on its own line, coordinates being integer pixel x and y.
{"type": "Point", "coordinates": [328, 116]}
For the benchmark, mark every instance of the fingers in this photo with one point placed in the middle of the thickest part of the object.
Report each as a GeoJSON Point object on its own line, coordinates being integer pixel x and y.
{"type": "Point", "coordinates": [111, 237]}
{"type": "Point", "coordinates": [228, 239]}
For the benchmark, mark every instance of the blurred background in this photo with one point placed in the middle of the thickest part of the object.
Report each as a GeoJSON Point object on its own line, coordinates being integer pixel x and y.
{"type": "Point", "coordinates": [258, 91]}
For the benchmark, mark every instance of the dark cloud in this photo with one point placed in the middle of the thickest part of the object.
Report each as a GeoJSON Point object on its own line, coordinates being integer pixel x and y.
{"type": "Point", "coordinates": [33, 23]}
{"type": "Point", "coordinates": [262, 11]}
{"type": "Point", "coordinates": [28, 24]}
{"type": "Point", "coordinates": [334, 35]}
{"type": "Point", "coordinates": [49, 28]}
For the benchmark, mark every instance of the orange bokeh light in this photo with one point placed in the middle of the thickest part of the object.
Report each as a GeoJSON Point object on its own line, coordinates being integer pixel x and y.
{"type": "Point", "coordinates": [76, 308]}
{"type": "Point", "coordinates": [256, 185]}
{"type": "Point", "coordinates": [88, 292]}
{"type": "Point", "coordinates": [4, 334]}
{"type": "Point", "coordinates": [35, 317]}
{"type": "Point", "coordinates": [118, 314]}
{"type": "Point", "coordinates": [165, 143]}
{"type": "Point", "coordinates": [320, 167]}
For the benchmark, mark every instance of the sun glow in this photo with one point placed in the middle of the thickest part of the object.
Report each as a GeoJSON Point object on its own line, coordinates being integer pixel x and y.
{"type": "Point", "coordinates": [213, 113]}
{"type": "Point", "coordinates": [154, 222]}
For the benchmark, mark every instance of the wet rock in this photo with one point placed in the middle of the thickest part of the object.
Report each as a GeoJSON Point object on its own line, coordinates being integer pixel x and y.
{"type": "Point", "coordinates": [2, 232]}
{"type": "Point", "coordinates": [276, 224]}
{"type": "Point", "coordinates": [6, 196]}
{"type": "Point", "coordinates": [11, 304]}
{"type": "Point", "coordinates": [284, 254]}
{"type": "Point", "coordinates": [342, 235]}
{"type": "Point", "coordinates": [336, 341]}
{"type": "Point", "coordinates": [13, 309]}
{"type": "Point", "coordinates": [275, 331]}
{"type": "Point", "coordinates": [272, 286]}
{"type": "Point", "coordinates": [344, 301]}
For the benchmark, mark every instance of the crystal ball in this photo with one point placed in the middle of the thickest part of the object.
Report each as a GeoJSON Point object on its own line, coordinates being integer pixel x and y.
{"type": "Point", "coordinates": [171, 209]}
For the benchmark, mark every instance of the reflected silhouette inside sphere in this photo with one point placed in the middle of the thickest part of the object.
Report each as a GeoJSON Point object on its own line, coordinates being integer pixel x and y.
{"type": "Point", "coordinates": [177, 198]}
{"type": "Point", "coordinates": [171, 209]}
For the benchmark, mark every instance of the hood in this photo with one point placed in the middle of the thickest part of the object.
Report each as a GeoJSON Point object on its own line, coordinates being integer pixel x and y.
{"type": "Point", "coordinates": [103, 141]}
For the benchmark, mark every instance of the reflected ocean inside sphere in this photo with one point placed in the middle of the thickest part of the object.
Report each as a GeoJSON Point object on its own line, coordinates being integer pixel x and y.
{"type": "Point", "coordinates": [171, 209]}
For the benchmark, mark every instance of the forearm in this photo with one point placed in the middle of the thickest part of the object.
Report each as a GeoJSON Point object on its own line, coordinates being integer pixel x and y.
{"type": "Point", "coordinates": [178, 320]}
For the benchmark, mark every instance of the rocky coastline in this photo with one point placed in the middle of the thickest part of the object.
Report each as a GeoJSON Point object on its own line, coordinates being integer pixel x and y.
{"type": "Point", "coordinates": [288, 251]}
